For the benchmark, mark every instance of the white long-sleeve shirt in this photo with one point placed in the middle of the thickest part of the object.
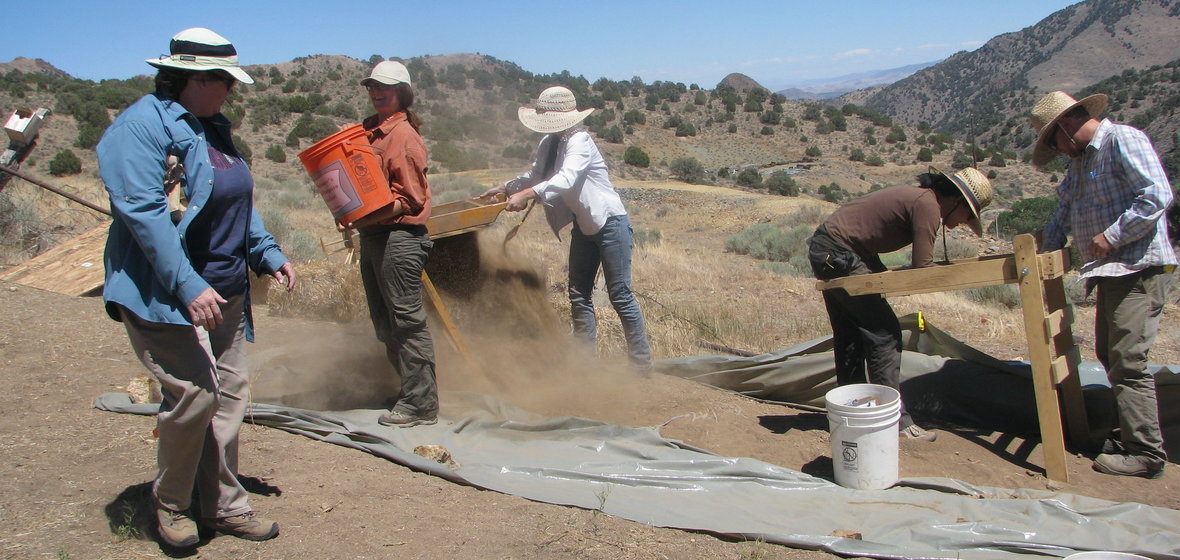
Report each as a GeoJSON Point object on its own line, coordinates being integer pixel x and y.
{"type": "Point", "coordinates": [576, 186]}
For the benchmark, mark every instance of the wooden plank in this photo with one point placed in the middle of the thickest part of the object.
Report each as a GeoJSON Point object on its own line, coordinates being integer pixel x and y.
{"type": "Point", "coordinates": [1054, 264]}
{"type": "Point", "coordinates": [1054, 323]}
{"type": "Point", "coordinates": [961, 274]}
{"type": "Point", "coordinates": [1044, 389]}
{"type": "Point", "coordinates": [954, 276]}
{"type": "Point", "coordinates": [1070, 386]}
{"type": "Point", "coordinates": [1060, 369]}
{"type": "Point", "coordinates": [73, 268]}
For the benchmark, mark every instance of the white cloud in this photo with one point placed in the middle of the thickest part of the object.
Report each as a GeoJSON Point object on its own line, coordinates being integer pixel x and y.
{"type": "Point", "coordinates": [854, 52]}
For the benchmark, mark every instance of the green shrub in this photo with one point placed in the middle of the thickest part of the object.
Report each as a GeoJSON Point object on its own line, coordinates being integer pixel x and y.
{"type": "Point", "coordinates": [1028, 215]}
{"type": "Point", "coordinates": [813, 151]}
{"type": "Point", "coordinates": [781, 183]}
{"type": "Point", "coordinates": [749, 177]}
{"type": "Point", "coordinates": [614, 135]}
{"type": "Point", "coordinates": [810, 216]}
{"type": "Point", "coordinates": [770, 242]}
{"type": "Point", "coordinates": [687, 169]}
{"type": "Point", "coordinates": [65, 163]}
{"type": "Point", "coordinates": [518, 151]}
{"type": "Point", "coordinates": [449, 187]}
{"type": "Point", "coordinates": [276, 153]}
{"type": "Point", "coordinates": [455, 158]}
{"type": "Point", "coordinates": [1004, 295]}
{"type": "Point", "coordinates": [634, 155]}
{"type": "Point", "coordinates": [645, 237]}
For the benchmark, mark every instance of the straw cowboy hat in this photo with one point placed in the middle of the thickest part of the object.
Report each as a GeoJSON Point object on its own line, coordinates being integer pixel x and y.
{"type": "Point", "coordinates": [389, 72]}
{"type": "Point", "coordinates": [1048, 110]}
{"type": "Point", "coordinates": [976, 189]}
{"type": "Point", "coordinates": [555, 110]}
{"type": "Point", "coordinates": [199, 50]}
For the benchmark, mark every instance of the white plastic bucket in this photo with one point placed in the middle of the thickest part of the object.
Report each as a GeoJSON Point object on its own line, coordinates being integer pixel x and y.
{"type": "Point", "coordinates": [1100, 555]}
{"type": "Point", "coordinates": [862, 420]}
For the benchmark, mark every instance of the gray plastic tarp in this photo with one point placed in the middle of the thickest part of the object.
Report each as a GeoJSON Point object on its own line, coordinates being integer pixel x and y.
{"type": "Point", "coordinates": [636, 474]}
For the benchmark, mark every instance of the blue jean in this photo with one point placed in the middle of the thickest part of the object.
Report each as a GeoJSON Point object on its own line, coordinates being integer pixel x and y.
{"type": "Point", "coordinates": [609, 249]}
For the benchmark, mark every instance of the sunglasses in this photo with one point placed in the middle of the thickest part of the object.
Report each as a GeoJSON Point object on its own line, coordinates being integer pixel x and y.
{"type": "Point", "coordinates": [229, 81]}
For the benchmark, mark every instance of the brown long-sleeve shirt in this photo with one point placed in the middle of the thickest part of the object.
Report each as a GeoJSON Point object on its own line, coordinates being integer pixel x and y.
{"type": "Point", "coordinates": [404, 160]}
{"type": "Point", "coordinates": [887, 220]}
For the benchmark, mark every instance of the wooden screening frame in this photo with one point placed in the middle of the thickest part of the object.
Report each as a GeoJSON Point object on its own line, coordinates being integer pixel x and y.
{"type": "Point", "coordinates": [1048, 320]}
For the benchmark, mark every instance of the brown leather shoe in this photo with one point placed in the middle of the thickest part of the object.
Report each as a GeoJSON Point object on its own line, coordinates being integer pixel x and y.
{"type": "Point", "coordinates": [177, 528]}
{"type": "Point", "coordinates": [247, 526]}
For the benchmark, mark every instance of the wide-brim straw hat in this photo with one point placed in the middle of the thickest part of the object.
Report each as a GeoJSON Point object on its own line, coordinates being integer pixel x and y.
{"type": "Point", "coordinates": [389, 72]}
{"type": "Point", "coordinates": [555, 110]}
{"type": "Point", "coordinates": [1048, 110]}
{"type": "Point", "coordinates": [976, 189]}
{"type": "Point", "coordinates": [200, 50]}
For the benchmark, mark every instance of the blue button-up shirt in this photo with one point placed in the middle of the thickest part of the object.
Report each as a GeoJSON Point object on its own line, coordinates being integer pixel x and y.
{"type": "Point", "coordinates": [148, 271]}
{"type": "Point", "coordinates": [1117, 187]}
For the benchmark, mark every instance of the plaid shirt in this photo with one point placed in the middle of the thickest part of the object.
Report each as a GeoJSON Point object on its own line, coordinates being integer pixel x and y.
{"type": "Point", "coordinates": [1116, 187]}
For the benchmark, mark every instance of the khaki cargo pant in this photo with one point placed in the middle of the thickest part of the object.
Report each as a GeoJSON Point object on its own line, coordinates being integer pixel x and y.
{"type": "Point", "coordinates": [203, 378]}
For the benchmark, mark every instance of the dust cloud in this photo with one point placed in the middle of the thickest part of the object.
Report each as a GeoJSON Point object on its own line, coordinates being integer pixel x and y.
{"type": "Point", "coordinates": [518, 346]}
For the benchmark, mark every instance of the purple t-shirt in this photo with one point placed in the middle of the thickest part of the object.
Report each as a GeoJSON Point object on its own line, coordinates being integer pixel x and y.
{"type": "Point", "coordinates": [217, 237]}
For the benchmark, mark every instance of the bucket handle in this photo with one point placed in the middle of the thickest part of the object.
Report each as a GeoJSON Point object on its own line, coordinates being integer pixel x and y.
{"type": "Point", "coordinates": [362, 146]}
{"type": "Point", "coordinates": [844, 422]}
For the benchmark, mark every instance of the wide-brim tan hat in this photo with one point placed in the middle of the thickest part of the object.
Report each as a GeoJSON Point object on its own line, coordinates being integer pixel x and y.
{"type": "Point", "coordinates": [389, 72]}
{"type": "Point", "coordinates": [976, 189]}
{"type": "Point", "coordinates": [556, 110]}
{"type": "Point", "coordinates": [200, 50]}
{"type": "Point", "coordinates": [1048, 110]}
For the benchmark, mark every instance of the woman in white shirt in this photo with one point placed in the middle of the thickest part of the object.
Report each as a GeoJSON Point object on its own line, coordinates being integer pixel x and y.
{"type": "Point", "coordinates": [569, 179]}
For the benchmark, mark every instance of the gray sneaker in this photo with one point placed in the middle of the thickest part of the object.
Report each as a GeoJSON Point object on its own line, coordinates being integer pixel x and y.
{"type": "Point", "coordinates": [403, 420]}
{"type": "Point", "coordinates": [247, 526]}
{"type": "Point", "coordinates": [917, 432]}
{"type": "Point", "coordinates": [177, 528]}
{"type": "Point", "coordinates": [1129, 465]}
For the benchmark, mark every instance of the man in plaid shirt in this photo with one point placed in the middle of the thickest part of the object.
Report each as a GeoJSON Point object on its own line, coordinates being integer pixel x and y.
{"type": "Point", "coordinates": [1113, 201]}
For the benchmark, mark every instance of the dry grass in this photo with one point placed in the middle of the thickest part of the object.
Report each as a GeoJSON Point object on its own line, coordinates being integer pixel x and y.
{"type": "Point", "coordinates": [691, 291]}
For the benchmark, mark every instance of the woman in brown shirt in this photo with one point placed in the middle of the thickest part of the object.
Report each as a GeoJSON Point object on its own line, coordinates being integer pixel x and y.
{"type": "Point", "coordinates": [865, 330]}
{"type": "Point", "coordinates": [395, 244]}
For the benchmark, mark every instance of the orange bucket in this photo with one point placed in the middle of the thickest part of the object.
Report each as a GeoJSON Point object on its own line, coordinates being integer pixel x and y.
{"type": "Point", "coordinates": [347, 174]}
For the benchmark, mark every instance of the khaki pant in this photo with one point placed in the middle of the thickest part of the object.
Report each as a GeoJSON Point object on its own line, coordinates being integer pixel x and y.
{"type": "Point", "coordinates": [203, 378]}
{"type": "Point", "coordinates": [1125, 324]}
{"type": "Point", "coordinates": [391, 271]}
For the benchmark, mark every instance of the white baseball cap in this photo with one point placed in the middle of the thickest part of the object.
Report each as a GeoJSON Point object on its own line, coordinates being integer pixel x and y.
{"type": "Point", "coordinates": [389, 72]}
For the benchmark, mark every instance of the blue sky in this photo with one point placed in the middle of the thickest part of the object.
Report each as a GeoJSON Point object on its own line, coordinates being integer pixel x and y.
{"type": "Point", "coordinates": [691, 41]}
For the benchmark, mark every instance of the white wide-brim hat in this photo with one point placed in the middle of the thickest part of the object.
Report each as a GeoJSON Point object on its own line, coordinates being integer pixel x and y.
{"type": "Point", "coordinates": [556, 110]}
{"type": "Point", "coordinates": [1048, 110]}
{"type": "Point", "coordinates": [389, 72]}
{"type": "Point", "coordinates": [976, 189]}
{"type": "Point", "coordinates": [200, 50]}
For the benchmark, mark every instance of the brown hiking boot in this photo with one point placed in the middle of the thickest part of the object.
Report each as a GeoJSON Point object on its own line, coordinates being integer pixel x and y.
{"type": "Point", "coordinates": [1128, 465]}
{"type": "Point", "coordinates": [177, 528]}
{"type": "Point", "coordinates": [247, 526]}
{"type": "Point", "coordinates": [403, 420]}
